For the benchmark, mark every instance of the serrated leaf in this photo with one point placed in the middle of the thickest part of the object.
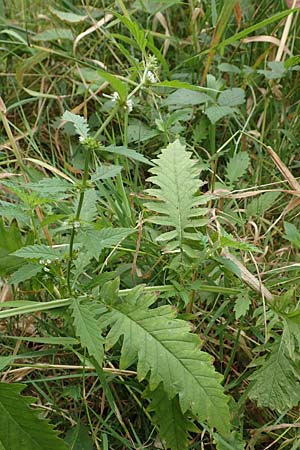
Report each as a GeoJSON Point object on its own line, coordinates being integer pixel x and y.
{"type": "Point", "coordinates": [37, 252]}
{"type": "Point", "coordinates": [106, 172]}
{"type": "Point", "coordinates": [167, 353]}
{"type": "Point", "coordinates": [20, 426]}
{"type": "Point", "coordinates": [54, 34]}
{"type": "Point", "coordinates": [176, 200]}
{"type": "Point", "coordinates": [277, 381]}
{"type": "Point", "coordinates": [96, 240]}
{"type": "Point", "coordinates": [232, 97]}
{"type": "Point", "coordinates": [87, 329]}
{"type": "Point", "coordinates": [172, 424]}
{"type": "Point", "coordinates": [186, 97]}
{"type": "Point", "coordinates": [79, 122]}
{"type": "Point", "coordinates": [48, 186]}
{"type": "Point", "coordinates": [261, 204]}
{"type": "Point", "coordinates": [242, 305]}
{"type": "Point", "coordinates": [237, 166]}
{"type": "Point", "coordinates": [215, 113]}
{"type": "Point", "coordinates": [68, 16]}
{"type": "Point", "coordinates": [25, 272]}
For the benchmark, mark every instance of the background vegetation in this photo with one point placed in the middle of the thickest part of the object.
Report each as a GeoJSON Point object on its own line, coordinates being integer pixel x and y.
{"type": "Point", "coordinates": [149, 206]}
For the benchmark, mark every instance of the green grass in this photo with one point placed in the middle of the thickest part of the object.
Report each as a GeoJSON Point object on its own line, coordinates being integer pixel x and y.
{"type": "Point", "coordinates": [149, 74]}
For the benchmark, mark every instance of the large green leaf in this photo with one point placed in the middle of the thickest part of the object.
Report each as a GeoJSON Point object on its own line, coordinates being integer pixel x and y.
{"type": "Point", "coordinates": [277, 381]}
{"type": "Point", "coordinates": [20, 426]}
{"type": "Point", "coordinates": [167, 353]}
{"type": "Point", "coordinates": [176, 200]}
{"type": "Point", "coordinates": [87, 329]}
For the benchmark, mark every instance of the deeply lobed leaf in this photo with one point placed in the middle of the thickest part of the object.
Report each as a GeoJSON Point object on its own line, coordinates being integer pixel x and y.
{"type": "Point", "coordinates": [176, 200]}
{"type": "Point", "coordinates": [87, 329]}
{"type": "Point", "coordinates": [167, 353]}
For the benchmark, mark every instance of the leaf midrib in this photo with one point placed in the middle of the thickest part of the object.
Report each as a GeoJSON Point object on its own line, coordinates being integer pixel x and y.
{"type": "Point", "coordinates": [169, 352]}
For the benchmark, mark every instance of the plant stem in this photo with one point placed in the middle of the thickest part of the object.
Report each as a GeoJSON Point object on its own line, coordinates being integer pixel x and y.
{"type": "Point", "coordinates": [60, 303]}
{"type": "Point", "coordinates": [82, 193]}
{"type": "Point", "coordinates": [77, 216]}
{"type": "Point", "coordinates": [106, 121]}
{"type": "Point", "coordinates": [214, 160]}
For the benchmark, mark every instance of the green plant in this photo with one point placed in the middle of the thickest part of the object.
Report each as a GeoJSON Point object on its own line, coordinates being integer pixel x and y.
{"type": "Point", "coordinates": [148, 234]}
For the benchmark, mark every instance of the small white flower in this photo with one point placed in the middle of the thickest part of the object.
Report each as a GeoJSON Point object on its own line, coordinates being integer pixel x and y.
{"type": "Point", "coordinates": [151, 76]}
{"type": "Point", "coordinates": [129, 105]}
{"type": "Point", "coordinates": [48, 261]}
{"type": "Point", "coordinates": [46, 269]}
{"type": "Point", "coordinates": [115, 97]}
{"type": "Point", "coordinates": [42, 261]}
{"type": "Point", "coordinates": [81, 138]}
{"type": "Point", "coordinates": [76, 224]}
